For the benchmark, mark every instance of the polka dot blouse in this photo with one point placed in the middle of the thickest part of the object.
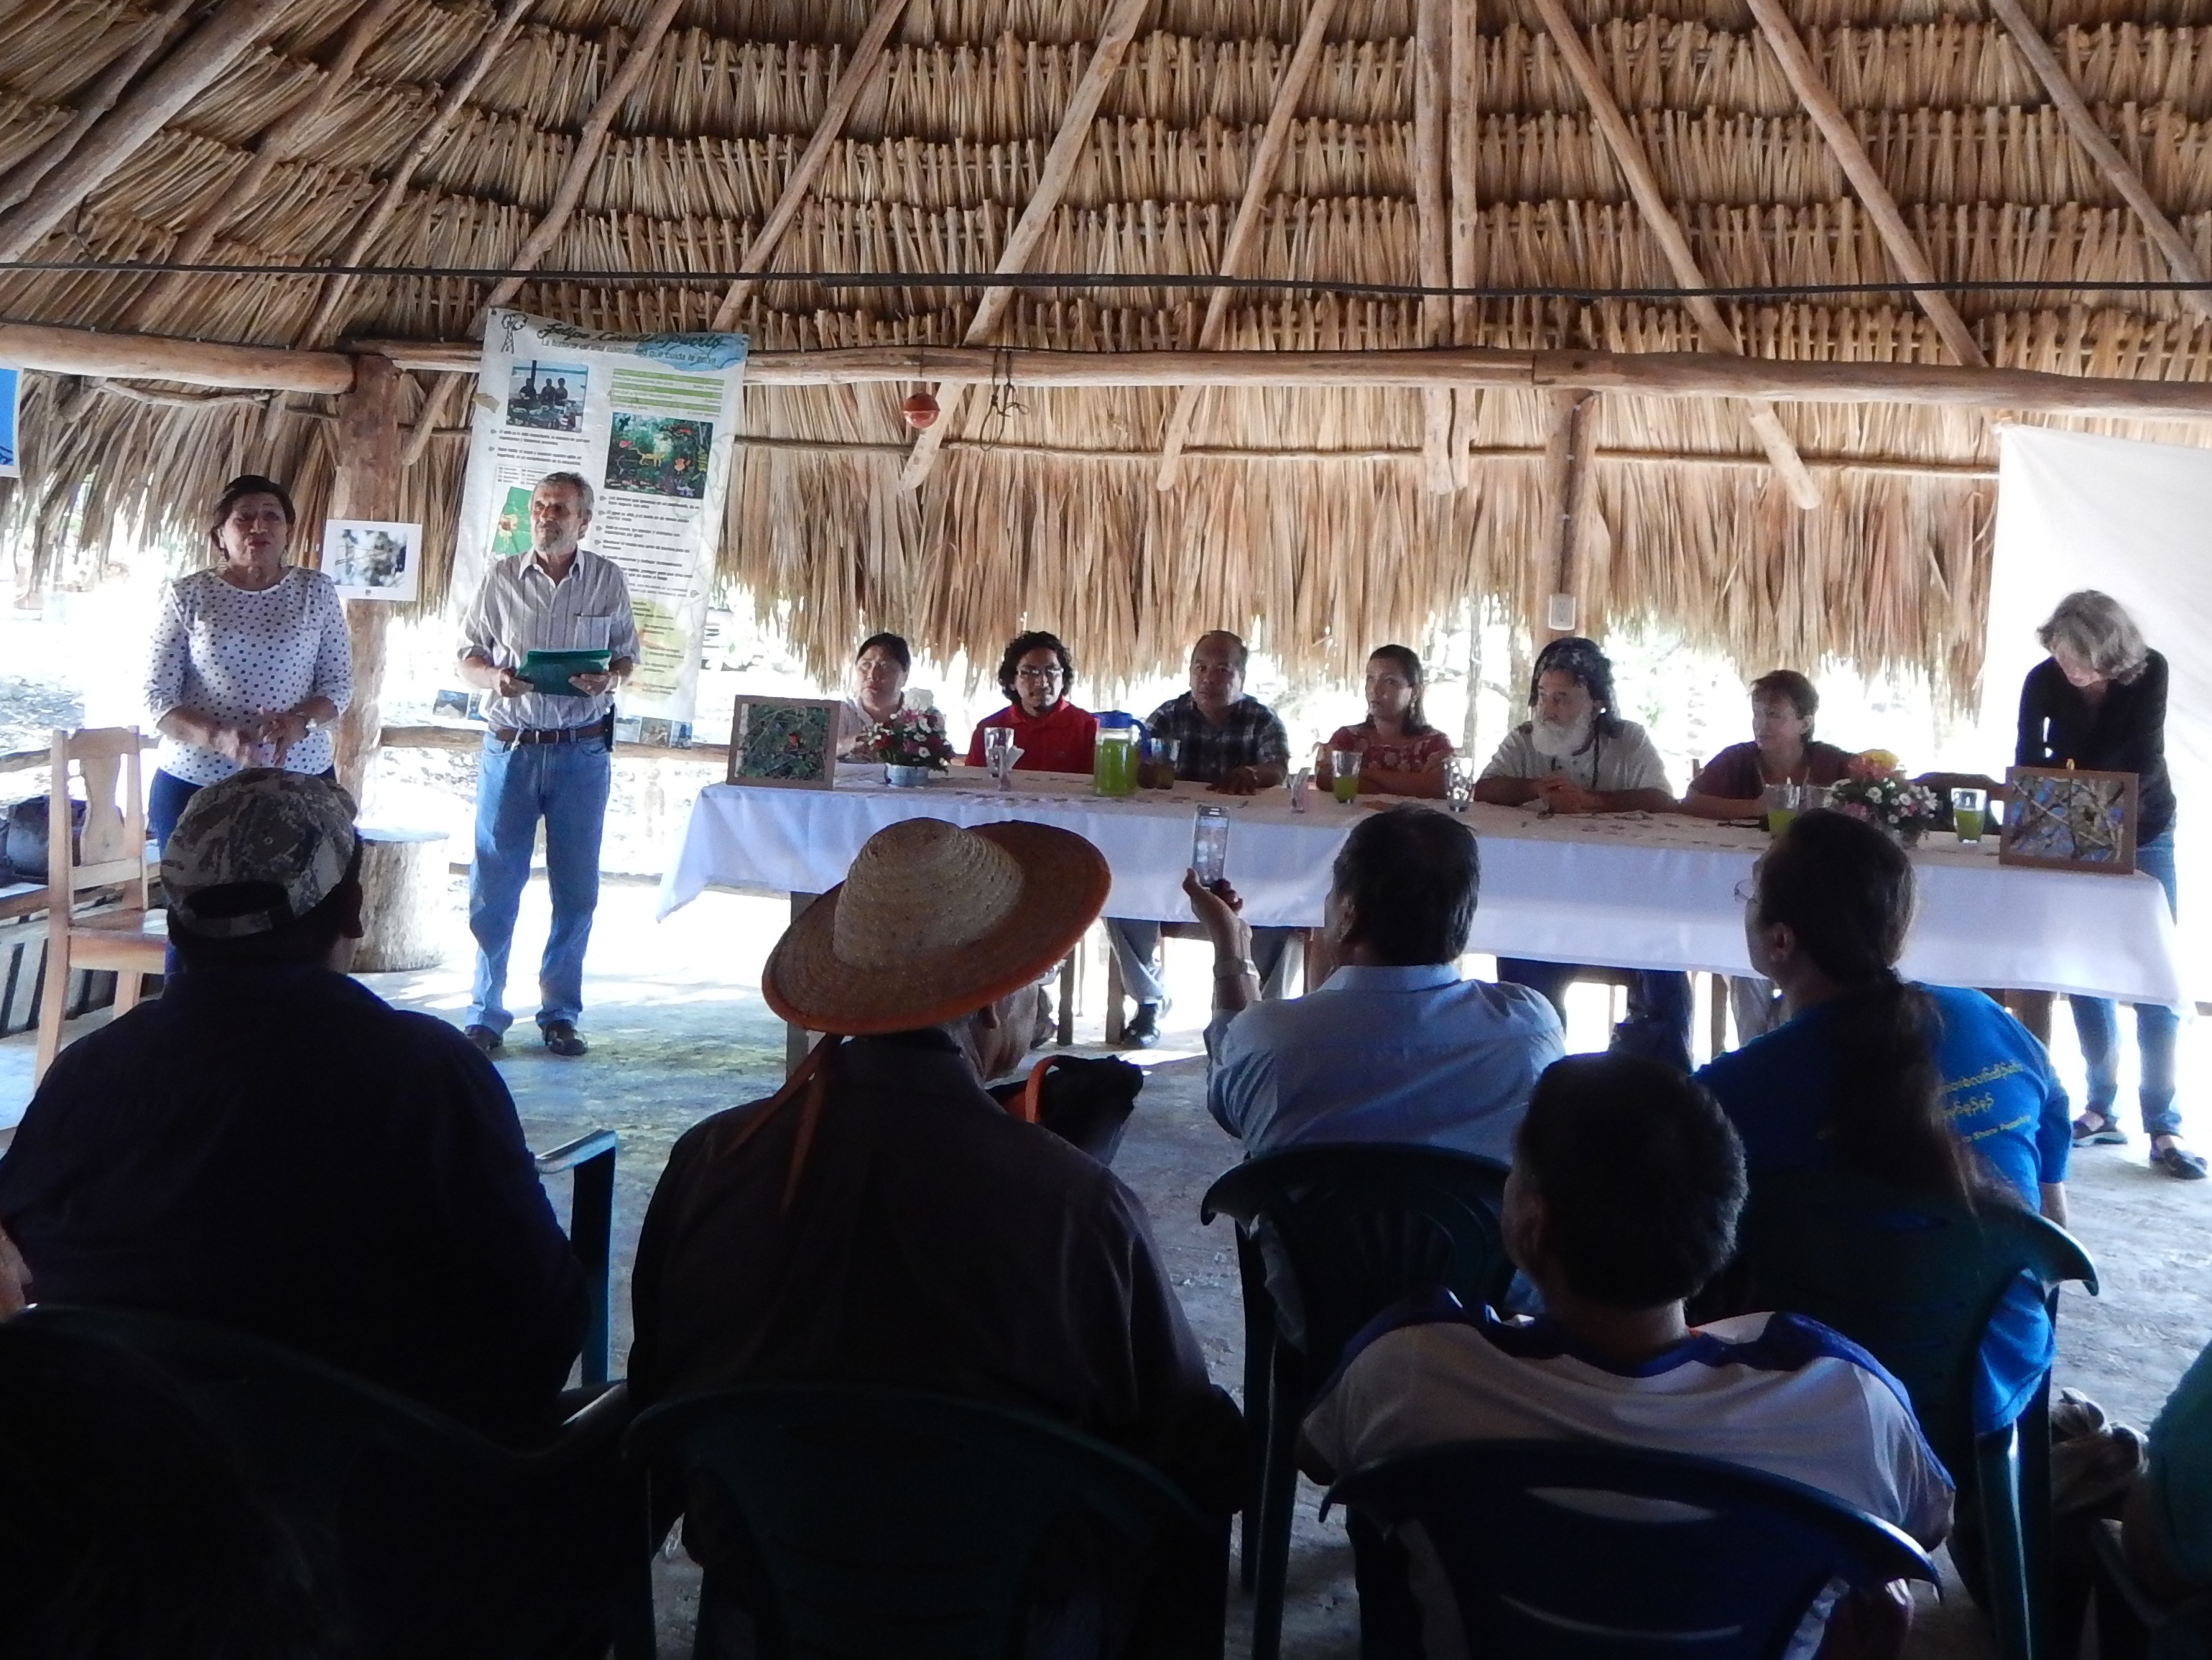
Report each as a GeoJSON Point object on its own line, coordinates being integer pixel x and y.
{"type": "Point", "coordinates": [226, 652]}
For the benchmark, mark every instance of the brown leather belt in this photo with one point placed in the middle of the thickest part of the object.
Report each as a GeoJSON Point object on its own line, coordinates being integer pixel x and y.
{"type": "Point", "coordinates": [513, 735]}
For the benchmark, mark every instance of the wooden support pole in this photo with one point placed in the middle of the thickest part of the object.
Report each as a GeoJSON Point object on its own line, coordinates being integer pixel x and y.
{"type": "Point", "coordinates": [2081, 120]}
{"type": "Point", "coordinates": [1866, 180]}
{"type": "Point", "coordinates": [1114, 35]}
{"type": "Point", "coordinates": [427, 138]}
{"type": "Point", "coordinates": [862, 71]}
{"type": "Point", "coordinates": [367, 486]}
{"type": "Point", "coordinates": [286, 137]}
{"type": "Point", "coordinates": [1432, 73]}
{"type": "Point", "coordinates": [586, 155]}
{"type": "Point", "coordinates": [143, 110]}
{"type": "Point", "coordinates": [1251, 207]}
{"type": "Point", "coordinates": [1570, 503]}
{"type": "Point", "coordinates": [153, 33]}
{"type": "Point", "coordinates": [1667, 231]}
{"type": "Point", "coordinates": [1463, 147]}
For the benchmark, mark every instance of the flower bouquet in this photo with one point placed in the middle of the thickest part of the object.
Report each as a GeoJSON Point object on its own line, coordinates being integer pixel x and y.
{"type": "Point", "coordinates": [911, 744]}
{"type": "Point", "coordinates": [1875, 787]}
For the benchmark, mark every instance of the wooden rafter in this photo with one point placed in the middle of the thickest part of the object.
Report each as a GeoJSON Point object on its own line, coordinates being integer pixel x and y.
{"type": "Point", "coordinates": [1820, 103]}
{"type": "Point", "coordinates": [138, 115]}
{"type": "Point", "coordinates": [1432, 73]}
{"type": "Point", "coordinates": [1251, 206]}
{"type": "Point", "coordinates": [1570, 500]}
{"type": "Point", "coordinates": [586, 155]}
{"type": "Point", "coordinates": [1667, 231]}
{"type": "Point", "coordinates": [2180, 258]}
{"type": "Point", "coordinates": [1463, 145]}
{"type": "Point", "coordinates": [427, 138]}
{"type": "Point", "coordinates": [1119, 29]}
{"type": "Point", "coordinates": [153, 33]}
{"type": "Point", "coordinates": [285, 138]}
{"type": "Point", "coordinates": [862, 71]}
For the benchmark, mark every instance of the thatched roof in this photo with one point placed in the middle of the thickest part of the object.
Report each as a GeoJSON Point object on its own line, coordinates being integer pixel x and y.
{"type": "Point", "coordinates": [1043, 506]}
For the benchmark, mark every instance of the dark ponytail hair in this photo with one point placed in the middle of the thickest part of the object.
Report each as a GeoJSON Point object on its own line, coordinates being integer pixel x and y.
{"type": "Point", "coordinates": [1407, 663]}
{"type": "Point", "coordinates": [1846, 891]}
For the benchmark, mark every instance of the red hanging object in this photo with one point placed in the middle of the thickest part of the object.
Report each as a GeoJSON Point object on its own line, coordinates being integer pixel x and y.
{"type": "Point", "coordinates": [921, 411]}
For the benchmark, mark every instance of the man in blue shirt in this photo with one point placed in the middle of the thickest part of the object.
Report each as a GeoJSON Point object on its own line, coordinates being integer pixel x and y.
{"type": "Point", "coordinates": [1394, 1045]}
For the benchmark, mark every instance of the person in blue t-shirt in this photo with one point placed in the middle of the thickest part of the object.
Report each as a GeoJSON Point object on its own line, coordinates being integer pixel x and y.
{"type": "Point", "coordinates": [1928, 1088]}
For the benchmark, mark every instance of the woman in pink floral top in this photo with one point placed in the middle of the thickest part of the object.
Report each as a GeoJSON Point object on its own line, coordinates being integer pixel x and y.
{"type": "Point", "coordinates": [1400, 753]}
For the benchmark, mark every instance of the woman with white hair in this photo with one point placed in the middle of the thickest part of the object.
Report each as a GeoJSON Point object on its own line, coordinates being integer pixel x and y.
{"type": "Point", "coordinates": [2099, 703]}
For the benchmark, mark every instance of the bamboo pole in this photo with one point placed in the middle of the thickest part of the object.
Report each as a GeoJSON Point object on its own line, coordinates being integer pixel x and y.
{"type": "Point", "coordinates": [427, 138]}
{"type": "Point", "coordinates": [141, 112]}
{"type": "Point", "coordinates": [586, 155]}
{"type": "Point", "coordinates": [1251, 207]}
{"type": "Point", "coordinates": [1873, 190]}
{"type": "Point", "coordinates": [1667, 231]}
{"type": "Point", "coordinates": [154, 34]}
{"type": "Point", "coordinates": [286, 137]}
{"type": "Point", "coordinates": [367, 486]}
{"type": "Point", "coordinates": [1463, 141]}
{"type": "Point", "coordinates": [1431, 53]}
{"type": "Point", "coordinates": [1114, 35]}
{"type": "Point", "coordinates": [865, 68]}
{"type": "Point", "coordinates": [2180, 258]}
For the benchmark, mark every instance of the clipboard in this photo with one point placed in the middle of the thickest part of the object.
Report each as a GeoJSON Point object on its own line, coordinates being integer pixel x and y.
{"type": "Point", "coordinates": [548, 672]}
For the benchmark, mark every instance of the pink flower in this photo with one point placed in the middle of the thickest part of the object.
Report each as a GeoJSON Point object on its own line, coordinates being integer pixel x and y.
{"type": "Point", "coordinates": [1857, 810]}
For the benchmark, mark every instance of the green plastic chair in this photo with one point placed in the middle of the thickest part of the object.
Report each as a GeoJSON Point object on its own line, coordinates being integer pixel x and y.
{"type": "Point", "coordinates": [1915, 1283]}
{"type": "Point", "coordinates": [1353, 1230]}
{"type": "Point", "coordinates": [430, 1539]}
{"type": "Point", "coordinates": [870, 1521]}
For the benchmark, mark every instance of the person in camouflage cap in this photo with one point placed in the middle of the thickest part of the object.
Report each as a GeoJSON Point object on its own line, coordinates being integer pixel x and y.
{"type": "Point", "coordinates": [256, 852]}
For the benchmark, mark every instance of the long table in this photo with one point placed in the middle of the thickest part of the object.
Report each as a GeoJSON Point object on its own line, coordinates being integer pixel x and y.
{"type": "Point", "coordinates": [1631, 890]}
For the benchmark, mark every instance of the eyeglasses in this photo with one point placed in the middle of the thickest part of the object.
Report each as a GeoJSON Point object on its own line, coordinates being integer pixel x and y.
{"type": "Point", "coordinates": [1747, 889]}
{"type": "Point", "coordinates": [1037, 676]}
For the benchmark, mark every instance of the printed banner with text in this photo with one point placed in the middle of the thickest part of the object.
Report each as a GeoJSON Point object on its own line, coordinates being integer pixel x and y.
{"type": "Point", "coordinates": [650, 420]}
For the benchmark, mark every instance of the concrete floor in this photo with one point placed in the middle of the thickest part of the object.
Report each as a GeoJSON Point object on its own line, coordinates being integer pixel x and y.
{"type": "Point", "coordinates": [678, 1031]}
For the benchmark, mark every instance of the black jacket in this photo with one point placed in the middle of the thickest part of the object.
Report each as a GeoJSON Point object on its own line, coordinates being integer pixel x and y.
{"type": "Point", "coordinates": [2125, 733]}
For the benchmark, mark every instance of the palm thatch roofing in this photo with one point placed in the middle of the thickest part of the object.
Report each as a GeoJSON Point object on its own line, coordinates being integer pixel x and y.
{"type": "Point", "coordinates": [432, 138]}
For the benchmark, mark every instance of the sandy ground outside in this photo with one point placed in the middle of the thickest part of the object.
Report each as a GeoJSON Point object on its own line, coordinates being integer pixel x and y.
{"type": "Point", "coordinates": [678, 1031]}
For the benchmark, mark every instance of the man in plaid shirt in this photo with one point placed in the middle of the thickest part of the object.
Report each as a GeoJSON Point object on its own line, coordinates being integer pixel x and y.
{"type": "Point", "coordinates": [1238, 745]}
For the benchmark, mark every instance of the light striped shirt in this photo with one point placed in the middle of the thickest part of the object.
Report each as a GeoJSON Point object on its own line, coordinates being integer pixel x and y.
{"type": "Point", "coordinates": [521, 609]}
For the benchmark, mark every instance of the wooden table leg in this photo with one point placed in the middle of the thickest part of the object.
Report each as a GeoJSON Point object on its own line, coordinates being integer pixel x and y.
{"type": "Point", "coordinates": [2033, 1009]}
{"type": "Point", "coordinates": [796, 1040]}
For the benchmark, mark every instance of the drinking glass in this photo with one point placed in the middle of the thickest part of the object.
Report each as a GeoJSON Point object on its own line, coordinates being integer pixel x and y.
{"type": "Point", "coordinates": [1459, 783]}
{"type": "Point", "coordinates": [997, 754]}
{"type": "Point", "coordinates": [1782, 802]}
{"type": "Point", "coordinates": [1155, 768]}
{"type": "Point", "coordinates": [1967, 807]}
{"type": "Point", "coordinates": [1344, 773]}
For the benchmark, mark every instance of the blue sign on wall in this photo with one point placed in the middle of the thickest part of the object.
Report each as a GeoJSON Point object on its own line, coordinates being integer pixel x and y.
{"type": "Point", "coordinates": [11, 382]}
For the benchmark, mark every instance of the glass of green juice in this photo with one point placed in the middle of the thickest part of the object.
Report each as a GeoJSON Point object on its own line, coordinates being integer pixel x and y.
{"type": "Point", "coordinates": [1344, 773]}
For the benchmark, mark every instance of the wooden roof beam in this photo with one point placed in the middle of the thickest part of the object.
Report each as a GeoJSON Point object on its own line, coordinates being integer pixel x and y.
{"type": "Point", "coordinates": [1259, 185]}
{"type": "Point", "coordinates": [153, 33]}
{"type": "Point", "coordinates": [229, 32]}
{"type": "Point", "coordinates": [2180, 258]}
{"type": "Point", "coordinates": [286, 137]}
{"type": "Point", "coordinates": [427, 138]}
{"type": "Point", "coordinates": [1114, 35]}
{"type": "Point", "coordinates": [862, 71]}
{"type": "Point", "coordinates": [1432, 44]}
{"type": "Point", "coordinates": [1866, 180]}
{"type": "Point", "coordinates": [1464, 143]}
{"type": "Point", "coordinates": [1667, 230]}
{"type": "Point", "coordinates": [586, 156]}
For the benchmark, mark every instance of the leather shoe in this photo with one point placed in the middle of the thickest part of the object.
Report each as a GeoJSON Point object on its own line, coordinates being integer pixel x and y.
{"type": "Point", "coordinates": [484, 1038]}
{"type": "Point", "coordinates": [1143, 1030]}
{"type": "Point", "coordinates": [560, 1038]}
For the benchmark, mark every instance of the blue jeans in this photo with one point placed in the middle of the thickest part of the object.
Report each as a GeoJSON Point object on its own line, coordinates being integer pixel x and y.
{"type": "Point", "coordinates": [566, 785]}
{"type": "Point", "coordinates": [2097, 1025]}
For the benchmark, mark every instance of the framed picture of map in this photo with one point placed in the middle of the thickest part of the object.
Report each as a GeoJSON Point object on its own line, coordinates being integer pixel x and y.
{"type": "Point", "coordinates": [785, 743]}
{"type": "Point", "coordinates": [2083, 821]}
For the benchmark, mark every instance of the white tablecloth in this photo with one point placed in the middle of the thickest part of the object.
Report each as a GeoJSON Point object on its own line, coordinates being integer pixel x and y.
{"type": "Point", "coordinates": [1628, 891]}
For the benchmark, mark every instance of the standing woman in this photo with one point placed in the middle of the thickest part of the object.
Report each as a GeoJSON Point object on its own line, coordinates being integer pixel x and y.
{"type": "Point", "coordinates": [250, 664]}
{"type": "Point", "coordinates": [1400, 753]}
{"type": "Point", "coordinates": [2099, 703]}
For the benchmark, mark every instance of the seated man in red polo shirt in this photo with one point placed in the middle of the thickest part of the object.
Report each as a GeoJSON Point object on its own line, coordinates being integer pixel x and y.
{"type": "Point", "coordinates": [1051, 732]}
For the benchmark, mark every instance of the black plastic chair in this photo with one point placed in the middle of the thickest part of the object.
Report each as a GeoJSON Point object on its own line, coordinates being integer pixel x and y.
{"type": "Point", "coordinates": [2128, 1619]}
{"type": "Point", "coordinates": [591, 1158]}
{"type": "Point", "coordinates": [1915, 1282]}
{"type": "Point", "coordinates": [430, 1540]}
{"type": "Point", "coordinates": [869, 1521]}
{"type": "Point", "coordinates": [1545, 1562]}
{"type": "Point", "coordinates": [1353, 1229]}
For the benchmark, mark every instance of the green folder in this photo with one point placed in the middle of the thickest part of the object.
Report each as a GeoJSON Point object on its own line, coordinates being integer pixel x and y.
{"type": "Point", "coordinates": [549, 671]}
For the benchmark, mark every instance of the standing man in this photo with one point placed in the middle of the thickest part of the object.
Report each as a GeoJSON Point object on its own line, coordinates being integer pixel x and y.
{"type": "Point", "coordinates": [546, 754]}
{"type": "Point", "coordinates": [1238, 745]}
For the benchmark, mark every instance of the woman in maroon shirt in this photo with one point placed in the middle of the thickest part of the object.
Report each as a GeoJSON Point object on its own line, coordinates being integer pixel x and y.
{"type": "Point", "coordinates": [1051, 732]}
{"type": "Point", "coordinates": [1782, 751]}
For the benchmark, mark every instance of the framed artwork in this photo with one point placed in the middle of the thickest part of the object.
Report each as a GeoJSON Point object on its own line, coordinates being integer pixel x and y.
{"type": "Point", "coordinates": [785, 743]}
{"type": "Point", "coordinates": [2083, 821]}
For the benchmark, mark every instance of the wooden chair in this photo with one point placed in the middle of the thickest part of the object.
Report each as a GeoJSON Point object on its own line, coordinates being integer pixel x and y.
{"type": "Point", "coordinates": [122, 933]}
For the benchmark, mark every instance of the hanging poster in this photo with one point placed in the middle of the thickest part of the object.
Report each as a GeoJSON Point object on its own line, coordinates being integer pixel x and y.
{"type": "Point", "coordinates": [650, 422]}
{"type": "Point", "coordinates": [11, 387]}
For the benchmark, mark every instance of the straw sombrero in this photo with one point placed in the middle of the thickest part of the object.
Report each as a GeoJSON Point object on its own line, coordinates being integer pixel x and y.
{"type": "Point", "coordinates": [933, 921]}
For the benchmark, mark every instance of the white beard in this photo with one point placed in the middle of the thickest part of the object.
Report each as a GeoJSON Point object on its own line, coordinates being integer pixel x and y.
{"type": "Point", "coordinates": [1559, 742]}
